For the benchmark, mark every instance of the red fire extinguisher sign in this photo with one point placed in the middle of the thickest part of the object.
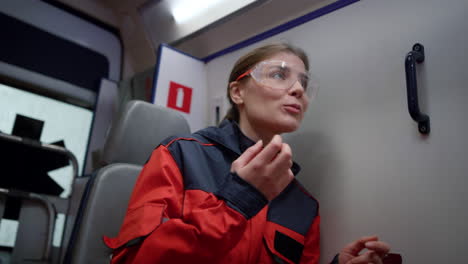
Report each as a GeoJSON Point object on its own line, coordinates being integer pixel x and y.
{"type": "Point", "coordinates": [180, 97]}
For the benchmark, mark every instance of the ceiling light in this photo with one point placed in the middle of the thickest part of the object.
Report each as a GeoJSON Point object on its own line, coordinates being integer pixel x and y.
{"type": "Point", "coordinates": [185, 11]}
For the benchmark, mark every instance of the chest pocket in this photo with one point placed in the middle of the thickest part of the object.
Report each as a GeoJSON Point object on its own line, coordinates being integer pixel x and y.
{"type": "Point", "coordinates": [284, 245]}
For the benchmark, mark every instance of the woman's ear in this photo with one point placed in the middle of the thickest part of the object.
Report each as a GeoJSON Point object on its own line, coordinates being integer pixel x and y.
{"type": "Point", "coordinates": [236, 92]}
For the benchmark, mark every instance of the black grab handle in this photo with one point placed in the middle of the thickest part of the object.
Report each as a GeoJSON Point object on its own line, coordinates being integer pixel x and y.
{"type": "Point", "coordinates": [413, 57]}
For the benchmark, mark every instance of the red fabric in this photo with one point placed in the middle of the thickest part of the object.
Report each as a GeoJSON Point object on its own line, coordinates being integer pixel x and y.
{"type": "Point", "coordinates": [311, 253]}
{"type": "Point", "coordinates": [139, 222]}
{"type": "Point", "coordinates": [201, 228]}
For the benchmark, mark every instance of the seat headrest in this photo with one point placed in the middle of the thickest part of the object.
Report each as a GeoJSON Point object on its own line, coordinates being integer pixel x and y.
{"type": "Point", "coordinates": [140, 129]}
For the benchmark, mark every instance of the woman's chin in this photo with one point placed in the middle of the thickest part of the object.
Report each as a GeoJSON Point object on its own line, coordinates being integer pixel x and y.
{"type": "Point", "coordinates": [287, 126]}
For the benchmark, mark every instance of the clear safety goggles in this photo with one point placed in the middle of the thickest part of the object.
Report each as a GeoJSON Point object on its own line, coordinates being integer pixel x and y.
{"type": "Point", "coordinates": [280, 75]}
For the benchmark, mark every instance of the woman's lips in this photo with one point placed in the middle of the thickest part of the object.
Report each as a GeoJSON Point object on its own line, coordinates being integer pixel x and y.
{"type": "Point", "coordinates": [292, 108]}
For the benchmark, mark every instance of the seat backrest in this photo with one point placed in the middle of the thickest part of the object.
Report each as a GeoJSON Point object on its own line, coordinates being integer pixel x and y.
{"type": "Point", "coordinates": [35, 231]}
{"type": "Point", "coordinates": [141, 127]}
{"type": "Point", "coordinates": [32, 230]}
{"type": "Point", "coordinates": [132, 138]}
{"type": "Point", "coordinates": [104, 212]}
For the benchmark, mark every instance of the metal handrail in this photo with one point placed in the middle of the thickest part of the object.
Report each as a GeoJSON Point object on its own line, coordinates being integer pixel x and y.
{"type": "Point", "coordinates": [46, 256]}
{"type": "Point", "coordinates": [53, 148]}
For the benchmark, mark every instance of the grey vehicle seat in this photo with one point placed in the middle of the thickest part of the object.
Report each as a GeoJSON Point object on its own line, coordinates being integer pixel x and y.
{"type": "Point", "coordinates": [141, 127]}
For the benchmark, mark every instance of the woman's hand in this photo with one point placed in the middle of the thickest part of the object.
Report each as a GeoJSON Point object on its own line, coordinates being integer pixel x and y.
{"type": "Point", "coordinates": [376, 251]}
{"type": "Point", "coordinates": [267, 169]}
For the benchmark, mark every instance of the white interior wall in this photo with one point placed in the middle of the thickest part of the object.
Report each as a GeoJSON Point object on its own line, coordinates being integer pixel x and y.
{"type": "Point", "coordinates": [361, 153]}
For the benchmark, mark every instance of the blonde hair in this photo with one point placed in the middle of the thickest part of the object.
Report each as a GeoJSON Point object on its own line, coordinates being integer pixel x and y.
{"type": "Point", "coordinates": [255, 56]}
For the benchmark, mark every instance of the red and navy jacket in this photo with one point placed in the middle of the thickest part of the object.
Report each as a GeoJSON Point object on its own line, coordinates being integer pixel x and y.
{"type": "Point", "coordinates": [187, 207]}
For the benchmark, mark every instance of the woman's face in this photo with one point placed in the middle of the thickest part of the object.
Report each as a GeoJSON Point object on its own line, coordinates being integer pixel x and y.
{"type": "Point", "coordinates": [274, 110]}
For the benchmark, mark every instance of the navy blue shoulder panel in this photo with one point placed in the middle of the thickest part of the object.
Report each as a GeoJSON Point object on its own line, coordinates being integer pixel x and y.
{"type": "Point", "coordinates": [203, 164]}
{"type": "Point", "coordinates": [294, 208]}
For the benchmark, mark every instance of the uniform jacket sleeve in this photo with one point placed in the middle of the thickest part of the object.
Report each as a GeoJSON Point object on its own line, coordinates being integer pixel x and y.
{"type": "Point", "coordinates": [311, 252]}
{"type": "Point", "coordinates": [165, 223]}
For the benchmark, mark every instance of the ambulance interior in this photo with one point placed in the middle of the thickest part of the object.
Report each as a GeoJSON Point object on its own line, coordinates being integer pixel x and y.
{"type": "Point", "coordinates": [89, 88]}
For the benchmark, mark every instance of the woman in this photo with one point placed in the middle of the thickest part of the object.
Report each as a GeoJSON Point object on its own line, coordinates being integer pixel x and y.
{"type": "Point", "coordinates": [228, 194]}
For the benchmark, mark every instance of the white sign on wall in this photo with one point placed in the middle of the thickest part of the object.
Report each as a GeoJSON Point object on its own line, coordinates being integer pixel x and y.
{"type": "Point", "coordinates": [180, 84]}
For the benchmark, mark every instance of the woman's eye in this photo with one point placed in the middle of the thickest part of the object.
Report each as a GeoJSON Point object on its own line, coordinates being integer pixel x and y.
{"type": "Point", "coordinates": [304, 82]}
{"type": "Point", "coordinates": [278, 75]}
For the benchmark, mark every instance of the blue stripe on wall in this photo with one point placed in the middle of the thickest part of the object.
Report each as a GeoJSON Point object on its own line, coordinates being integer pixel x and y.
{"type": "Point", "coordinates": [281, 28]}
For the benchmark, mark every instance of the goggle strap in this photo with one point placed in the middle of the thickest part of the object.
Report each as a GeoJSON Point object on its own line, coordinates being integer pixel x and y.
{"type": "Point", "coordinates": [244, 74]}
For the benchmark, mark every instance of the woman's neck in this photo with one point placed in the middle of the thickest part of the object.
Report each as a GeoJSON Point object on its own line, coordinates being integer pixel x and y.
{"type": "Point", "coordinates": [254, 132]}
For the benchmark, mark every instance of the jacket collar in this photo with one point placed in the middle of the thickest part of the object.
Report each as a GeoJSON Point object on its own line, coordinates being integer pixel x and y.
{"type": "Point", "coordinates": [229, 135]}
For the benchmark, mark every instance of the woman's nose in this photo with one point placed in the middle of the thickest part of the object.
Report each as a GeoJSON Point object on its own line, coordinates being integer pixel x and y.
{"type": "Point", "coordinates": [296, 89]}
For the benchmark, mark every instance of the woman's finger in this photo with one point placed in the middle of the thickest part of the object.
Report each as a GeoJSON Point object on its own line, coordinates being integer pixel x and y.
{"type": "Point", "coordinates": [247, 156]}
{"type": "Point", "coordinates": [284, 159]}
{"type": "Point", "coordinates": [355, 247]}
{"type": "Point", "coordinates": [270, 151]}
{"type": "Point", "coordinates": [380, 247]}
